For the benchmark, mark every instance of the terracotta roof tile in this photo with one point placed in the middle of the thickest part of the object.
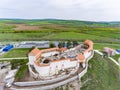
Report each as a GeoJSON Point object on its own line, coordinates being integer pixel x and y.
{"type": "Point", "coordinates": [63, 49]}
{"type": "Point", "coordinates": [81, 57]}
{"type": "Point", "coordinates": [35, 51]}
{"type": "Point", "coordinates": [47, 50]}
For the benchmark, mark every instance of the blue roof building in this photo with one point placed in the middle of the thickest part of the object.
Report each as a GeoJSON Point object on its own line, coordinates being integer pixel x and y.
{"type": "Point", "coordinates": [118, 50]}
{"type": "Point", "coordinates": [8, 48]}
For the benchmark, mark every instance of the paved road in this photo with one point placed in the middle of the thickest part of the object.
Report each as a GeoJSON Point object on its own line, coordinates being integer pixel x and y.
{"type": "Point", "coordinates": [113, 60]}
{"type": "Point", "coordinates": [18, 58]}
{"type": "Point", "coordinates": [97, 51]}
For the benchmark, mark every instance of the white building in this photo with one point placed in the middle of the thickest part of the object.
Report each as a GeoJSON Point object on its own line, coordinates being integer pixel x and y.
{"type": "Point", "coordinates": [49, 62]}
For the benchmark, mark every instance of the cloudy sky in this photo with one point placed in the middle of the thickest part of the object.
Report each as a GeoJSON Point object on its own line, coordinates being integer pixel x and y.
{"type": "Point", "coordinates": [91, 10]}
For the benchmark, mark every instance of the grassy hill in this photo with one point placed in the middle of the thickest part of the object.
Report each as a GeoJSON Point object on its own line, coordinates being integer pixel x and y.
{"type": "Point", "coordinates": [103, 75]}
{"type": "Point", "coordinates": [59, 21]}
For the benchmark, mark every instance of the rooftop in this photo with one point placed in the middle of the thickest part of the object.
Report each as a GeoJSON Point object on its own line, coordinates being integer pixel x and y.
{"type": "Point", "coordinates": [35, 51]}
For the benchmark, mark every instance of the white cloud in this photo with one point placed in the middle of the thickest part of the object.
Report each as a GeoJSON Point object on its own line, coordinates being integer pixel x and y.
{"type": "Point", "coordinates": [66, 9]}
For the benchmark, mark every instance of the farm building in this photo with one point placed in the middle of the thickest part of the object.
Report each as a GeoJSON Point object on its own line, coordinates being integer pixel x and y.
{"type": "Point", "coordinates": [118, 51]}
{"type": "Point", "coordinates": [109, 51]}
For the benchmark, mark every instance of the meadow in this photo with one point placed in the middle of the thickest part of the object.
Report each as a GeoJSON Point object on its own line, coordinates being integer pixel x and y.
{"type": "Point", "coordinates": [101, 32]}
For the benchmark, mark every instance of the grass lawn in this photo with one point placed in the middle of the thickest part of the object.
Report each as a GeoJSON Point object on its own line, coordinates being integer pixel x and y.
{"type": "Point", "coordinates": [16, 53]}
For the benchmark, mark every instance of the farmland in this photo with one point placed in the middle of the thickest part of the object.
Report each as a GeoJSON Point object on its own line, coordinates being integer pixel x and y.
{"type": "Point", "coordinates": [20, 36]}
{"type": "Point", "coordinates": [103, 34]}
{"type": "Point", "coordinates": [20, 30]}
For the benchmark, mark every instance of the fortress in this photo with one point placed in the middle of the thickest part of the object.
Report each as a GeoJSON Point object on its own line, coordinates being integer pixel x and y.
{"type": "Point", "coordinates": [56, 67]}
{"type": "Point", "coordinates": [58, 61]}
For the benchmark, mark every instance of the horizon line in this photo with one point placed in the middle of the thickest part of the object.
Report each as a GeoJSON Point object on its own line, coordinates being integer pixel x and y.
{"type": "Point", "coordinates": [55, 19]}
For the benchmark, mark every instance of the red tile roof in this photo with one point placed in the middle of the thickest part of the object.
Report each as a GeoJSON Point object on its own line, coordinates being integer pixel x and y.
{"type": "Point", "coordinates": [81, 57]}
{"type": "Point", "coordinates": [48, 50]}
{"type": "Point", "coordinates": [35, 51]}
{"type": "Point", "coordinates": [63, 49]}
{"type": "Point", "coordinates": [90, 44]}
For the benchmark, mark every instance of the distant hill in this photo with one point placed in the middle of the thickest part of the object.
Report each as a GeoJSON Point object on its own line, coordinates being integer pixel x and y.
{"type": "Point", "coordinates": [59, 21]}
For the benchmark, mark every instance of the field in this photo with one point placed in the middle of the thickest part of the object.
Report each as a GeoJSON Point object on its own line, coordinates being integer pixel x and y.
{"type": "Point", "coordinates": [78, 36]}
{"type": "Point", "coordinates": [21, 36]}
{"type": "Point", "coordinates": [103, 34]}
{"type": "Point", "coordinates": [20, 30]}
{"type": "Point", "coordinates": [16, 53]}
{"type": "Point", "coordinates": [100, 46]}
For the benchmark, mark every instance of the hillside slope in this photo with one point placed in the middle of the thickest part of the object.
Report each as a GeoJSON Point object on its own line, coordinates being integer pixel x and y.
{"type": "Point", "coordinates": [102, 75]}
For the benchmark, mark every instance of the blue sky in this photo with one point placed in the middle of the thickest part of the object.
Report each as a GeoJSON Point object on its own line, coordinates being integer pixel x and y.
{"type": "Point", "coordinates": [90, 10]}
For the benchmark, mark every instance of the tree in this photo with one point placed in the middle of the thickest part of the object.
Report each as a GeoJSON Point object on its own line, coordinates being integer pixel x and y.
{"type": "Point", "coordinates": [60, 45]}
{"type": "Point", "coordinates": [75, 43]}
{"type": "Point", "coordinates": [52, 45]}
{"type": "Point", "coordinates": [31, 48]}
{"type": "Point", "coordinates": [68, 44]}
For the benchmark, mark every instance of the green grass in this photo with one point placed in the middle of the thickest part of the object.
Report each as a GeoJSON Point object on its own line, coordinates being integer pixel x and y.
{"type": "Point", "coordinates": [54, 35]}
{"type": "Point", "coordinates": [21, 73]}
{"type": "Point", "coordinates": [6, 28]}
{"type": "Point", "coordinates": [23, 70]}
{"type": "Point", "coordinates": [77, 36]}
{"type": "Point", "coordinates": [19, 52]}
{"type": "Point", "coordinates": [114, 33]}
{"type": "Point", "coordinates": [21, 36]}
{"type": "Point", "coordinates": [16, 53]}
{"type": "Point", "coordinates": [100, 46]}
{"type": "Point", "coordinates": [61, 30]}
{"type": "Point", "coordinates": [103, 73]}
{"type": "Point", "coordinates": [116, 57]}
